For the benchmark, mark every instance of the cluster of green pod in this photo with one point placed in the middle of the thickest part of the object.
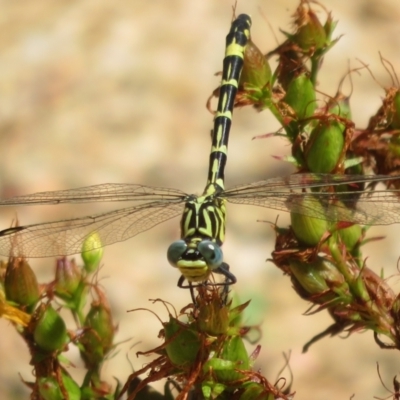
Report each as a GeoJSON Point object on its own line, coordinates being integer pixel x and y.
{"type": "Point", "coordinates": [321, 251]}
{"type": "Point", "coordinates": [36, 312]}
{"type": "Point", "coordinates": [314, 231]}
{"type": "Point", "coordinates": [204, 352]}
{"type": "Point", "coordinates": [213, 341]}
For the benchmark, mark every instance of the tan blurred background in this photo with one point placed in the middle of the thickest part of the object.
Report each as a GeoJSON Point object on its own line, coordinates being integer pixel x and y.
{"type": "Point", "coordinates": [101, 91]}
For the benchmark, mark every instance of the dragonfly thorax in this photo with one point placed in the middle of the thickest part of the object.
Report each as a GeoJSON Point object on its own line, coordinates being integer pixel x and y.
{"type": "Point", "coordinates": [204, 218]}
{"type": "Point", "coordinates": [199, 252]}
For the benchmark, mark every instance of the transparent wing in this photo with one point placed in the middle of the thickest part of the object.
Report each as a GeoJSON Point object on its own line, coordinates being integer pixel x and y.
{"type": "Point", "coordinates": [97, 193]}
{"type": "Point", "coordinates": [66, 237]}
{"type": "Point", "coordinates": [292, 193]}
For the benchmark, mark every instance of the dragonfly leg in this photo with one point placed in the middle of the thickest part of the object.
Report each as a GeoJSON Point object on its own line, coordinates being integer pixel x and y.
{"type": "Point", "coordinates": [190, 286]}
{"type": "Point", "coordinates": [230, 279]}
{"type": "Point", "coordinates": [223, 269]}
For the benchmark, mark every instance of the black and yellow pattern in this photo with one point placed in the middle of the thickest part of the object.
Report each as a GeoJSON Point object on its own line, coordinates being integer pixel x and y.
{"type": "Point", "coordinates": [204, 216]}
{"type": "Point", "coordinates": [198, 252]}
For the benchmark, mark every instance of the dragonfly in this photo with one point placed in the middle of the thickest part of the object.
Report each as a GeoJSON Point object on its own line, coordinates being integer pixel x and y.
{"type": "Point", "coordinates": [197, 254]}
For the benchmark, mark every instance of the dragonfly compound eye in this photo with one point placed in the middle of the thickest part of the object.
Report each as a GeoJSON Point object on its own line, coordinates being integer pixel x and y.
{"type": "Point", "coordinates": [175, 252]}
{"type": "Point", "coordinates": [211, 252]}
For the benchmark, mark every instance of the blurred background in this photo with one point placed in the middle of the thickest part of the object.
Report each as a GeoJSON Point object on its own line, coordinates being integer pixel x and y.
{"type": "Point", "coordinates": [98, 91]}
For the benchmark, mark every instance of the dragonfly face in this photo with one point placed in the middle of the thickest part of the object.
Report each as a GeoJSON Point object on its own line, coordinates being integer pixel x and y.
{"type": "Point", "coordinates": [199, 252]}
{"type": "Point", "coordinates": [195, 259]}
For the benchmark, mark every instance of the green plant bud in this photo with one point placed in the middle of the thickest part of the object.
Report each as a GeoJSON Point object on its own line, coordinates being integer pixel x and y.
{"type": "Point", "coordinates": [309, 230]}
{"type": "Point", "coordinates": [182, 342]}
{"type": "Point", "coordinates": [300, 96]}
{"type": "Point", "coordinates": [316, 277]}
{"type": "Point", "coordinates": [350, 236]}
{"type": "Point", "coordinates": [20, 283]}
{"type": "Point", "coordinates": [97, 338]}
{"type": "Point", "coordinates": [72, 388]}
{"type": "Point", "coordinates": [233, 357]}
{"type": "Point", "coordinates": [325, 146]}
{"type": "Point", "coordinates": [91, 349]}
{"type": "Point", "coordinates": [256, 70]}
{"type": "Point", "coordinates": [99, 320]}
{"type": "Point", "coordinates": [394, 113]}
{"type": "Point", "coordinates": [92, 252]}
{"type": "Point", "coordinates": [50, 332]}
{"type": "Point", "coordinates": [50, 389]}
{"type": "Point", "coordinates": [68, 277]}
{"type": "Point", "coordinates": [301, 99]}
{"type": "Point", "coordinates": [311, 34]}
{"type": "Point", "coordinates": [213, 318]}
{"type": "Point", "coordinates": [213, 390]}
{"type": "Point", "coordinates": [255, 391]}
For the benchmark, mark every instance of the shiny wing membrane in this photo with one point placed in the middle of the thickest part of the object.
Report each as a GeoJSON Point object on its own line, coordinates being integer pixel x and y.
{"type": "Point", "coordinates": [65, 237]}
{"type": "Point", "coordinates": [295, 192]}
{"type": "Point", "coordinates": [107, 192]}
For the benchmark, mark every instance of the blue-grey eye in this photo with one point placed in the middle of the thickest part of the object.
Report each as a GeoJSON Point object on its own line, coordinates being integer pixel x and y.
{"type": "Point", "coordinates": [211, 252]}
{"type": "Point", "coordinates": [175, 251]}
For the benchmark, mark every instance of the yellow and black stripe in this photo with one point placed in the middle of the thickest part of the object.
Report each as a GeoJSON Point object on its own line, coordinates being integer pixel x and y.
{"type": "Point", "coordinates": [232, 68]}
{"type": "Point", "coordinates": [203, 218]}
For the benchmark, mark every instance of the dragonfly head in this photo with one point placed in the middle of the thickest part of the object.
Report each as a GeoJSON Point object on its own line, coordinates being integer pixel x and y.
{"type": "Point", "coordinates": [195, 259]}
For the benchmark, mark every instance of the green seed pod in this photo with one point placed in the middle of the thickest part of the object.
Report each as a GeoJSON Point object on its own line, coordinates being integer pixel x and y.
{"type": "Point", "coordinates": [309, 230]}
{"type": "Point", "coordinates": [255, 391]}
{"type": "Point", "coordinates": [68, 278]}
{"type": "Point", "coordinates": [213, 318]}
{"type": "Point", "coordinates": [20, 283]}
{"type": "Point", "coordinates": [350, 236]}
{"type": "Point", "coordinates": [100, 320]}
{"type": "Point", "coordinates": [72, 388]}
{"type": "Point", "coordinates": [92, 252]}
{"type": "Point", "coordinates": [98, 337]}
{"type": "Point", "coordinates": [50, 332]}
{"type": "Point", "coordinates": [182, 342]}
{"type": "Point", "coordinates": [233, 357]}
{"type": "Point", "coordinates": [325, 146]}
{"type": "Point", "coordinates": [310, 34]}
{"type": "Point", "coordinates": [300, 96]}
{"type": "Point", "coordinates": [91, 349]}
{"type": "Point", "coordinates": [256, 70]}
{"type": "Point", "coordinates": [316, 277]}
{"type": "Point", "coordinates": [213, 390]}
{"type": "Point", "coordinates": [50, 389]}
